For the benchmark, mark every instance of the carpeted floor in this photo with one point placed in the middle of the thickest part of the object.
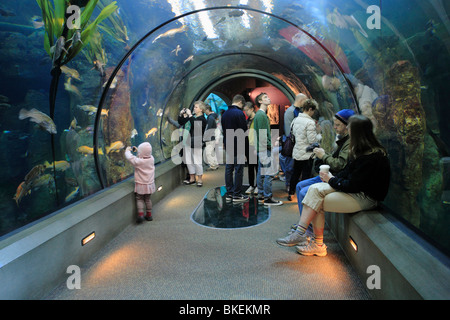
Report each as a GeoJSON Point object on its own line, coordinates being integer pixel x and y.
{"type": "Point", "coordinates": [174, 258]}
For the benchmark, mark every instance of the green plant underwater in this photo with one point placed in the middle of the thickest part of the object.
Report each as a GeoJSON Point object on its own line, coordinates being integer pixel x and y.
{"type": "Point", "coordinates": [54, 18]}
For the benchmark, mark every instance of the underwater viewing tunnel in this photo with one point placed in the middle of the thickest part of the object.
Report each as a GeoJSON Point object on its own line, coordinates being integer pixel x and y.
{"type": "Point", "coordinates": [73, 98]}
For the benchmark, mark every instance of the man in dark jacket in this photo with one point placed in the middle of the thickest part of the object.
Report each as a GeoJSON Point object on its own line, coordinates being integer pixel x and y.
{"type": "Point", "coordinates": [234, 143]}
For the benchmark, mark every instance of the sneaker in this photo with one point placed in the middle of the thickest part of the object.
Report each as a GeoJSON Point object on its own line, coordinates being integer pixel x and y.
{"type": "Point", "coordinates": [261, 199]}
{"type": "Point", "coordinates": [271, 202]}
{"type": "Point", "coordinates": [229, 197]}
{"type": "Point", "coordinates": [255, 192]}
{"type": "Point", "coordinates": [294, 239]}
{"type": "Point", "coordinates": [312, 249]}
{"type": "Point", "coordinates": [249, 190]}
{"type": "Point", "coordinates": [140, 218]}
{"type": "Point", "coordinates": [240, 198]}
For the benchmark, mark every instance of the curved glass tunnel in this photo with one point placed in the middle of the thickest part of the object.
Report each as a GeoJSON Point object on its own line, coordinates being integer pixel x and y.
{"type": "Point", "coordinates": [391, 65]}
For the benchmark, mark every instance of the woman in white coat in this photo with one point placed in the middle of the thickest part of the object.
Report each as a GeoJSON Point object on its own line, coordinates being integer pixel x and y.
{"type": "Point", "coordinates": [305, 132]}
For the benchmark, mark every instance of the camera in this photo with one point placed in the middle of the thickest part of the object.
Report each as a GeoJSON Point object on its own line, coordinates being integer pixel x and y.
{"type": "Point", "coordinates": [311, 147]}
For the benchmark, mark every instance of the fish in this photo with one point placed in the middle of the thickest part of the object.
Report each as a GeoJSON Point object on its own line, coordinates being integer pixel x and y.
{"type": "Point", "coordinates": [57, 49]}
{"type": "Point", "coordinates": [75, 38]}
{"type": "Point", "coordinates": [171, 32]}
{"type": "Point", "coordinates": [88, 108]}
{"type": "Point", "coordinates": [159, 113]}
{"type": "Point", "coordinates": [220, 21]}
{"type": "Point", "coordinates": [176, 50]}
{"type": "Point", "coordinates": [190, 58]}
{"type": "Point", "coordinates": [345, 22]}
{"type": "Point", "coordinates": [22, 190]}
{"type": "Point", "coordinates": [36, 24]}
{"type": "Point", "coordinates": [4, 105]}
{"type": "Point", "coordinates": [43, 120]}
{"type": "Point", "coordinates": [113, 83]}
{"type": "Point", "coordinates": [74, 124]}
{"type": "Point", "coordinates": [34, 173]}
{"type": "Point", "coordinates": [152, 132]}
{"type": "Point", "coordinates": [99, 66]}
{"type": "Point", "coordinates": [235, 13]}
{"type": "Point", "coordinates": [72, 195]}
{"type": "Point", "coordinates": [134, 133]}
{"type": "Point", "coordinates": [44, 180]}
{"type": "Point", "coordinates": [71, 88]}
{"type": "Point", "coordinates": [70, 72]}
{"type": "Point", "coordinates": [115, 147]}
{"type": "Point", "coordinates": [92, 109]}
{"type": "Point", "coordinates": [88, 150]}
{"type": "Point", "coordinates": [61, 165]}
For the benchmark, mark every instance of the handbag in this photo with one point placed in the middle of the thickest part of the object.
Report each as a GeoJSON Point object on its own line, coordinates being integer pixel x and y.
{"type": "Point", "coordinates": [288, 145]}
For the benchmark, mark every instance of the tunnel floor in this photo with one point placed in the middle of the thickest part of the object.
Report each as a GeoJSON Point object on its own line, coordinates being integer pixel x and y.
{"type": "Point", "coordinates": [175, 257]}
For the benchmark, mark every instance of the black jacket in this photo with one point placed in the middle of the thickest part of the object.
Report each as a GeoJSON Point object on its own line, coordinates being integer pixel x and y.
{"type": "Point", "coordinates": [197, 129]}
{"type": "Point", "coordinates": [368, 173]}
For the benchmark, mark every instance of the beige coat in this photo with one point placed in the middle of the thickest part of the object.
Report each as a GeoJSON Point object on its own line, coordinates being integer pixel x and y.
{"type": "Point", "coordinates": [304, 129]}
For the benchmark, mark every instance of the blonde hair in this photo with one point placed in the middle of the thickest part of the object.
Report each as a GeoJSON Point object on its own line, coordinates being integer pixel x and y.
{"type": "Point", "coordinates": [201, 105]}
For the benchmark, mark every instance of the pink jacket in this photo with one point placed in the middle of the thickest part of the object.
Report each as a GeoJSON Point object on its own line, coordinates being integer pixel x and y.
{"type": "Point", "coordinates": [144, 164]}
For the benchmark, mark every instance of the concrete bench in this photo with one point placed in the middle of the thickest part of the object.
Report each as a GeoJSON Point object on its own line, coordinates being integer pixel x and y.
{"type": "Point", "coordinates": [408, 267]}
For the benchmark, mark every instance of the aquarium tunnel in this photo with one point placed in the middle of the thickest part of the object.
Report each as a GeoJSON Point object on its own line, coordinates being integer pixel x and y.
{"type": "Point", "coordinates": [73, 98]}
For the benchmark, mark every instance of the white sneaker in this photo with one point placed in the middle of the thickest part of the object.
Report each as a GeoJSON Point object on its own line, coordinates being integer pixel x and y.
{"type": "Point", "coordinates": [249, 190]}
{"type": "Point", "coordinates": [255, 191]}
{"type": "Point", "coordinates": [312, 249]}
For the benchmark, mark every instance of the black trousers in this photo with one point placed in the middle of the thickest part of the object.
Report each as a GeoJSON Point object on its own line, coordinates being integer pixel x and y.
{"type": "Point", "coordinates": [301, 168]}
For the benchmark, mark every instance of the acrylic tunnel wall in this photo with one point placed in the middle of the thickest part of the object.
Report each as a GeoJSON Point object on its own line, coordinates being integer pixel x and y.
{"type": "Point", "coordinates": [139, 63]}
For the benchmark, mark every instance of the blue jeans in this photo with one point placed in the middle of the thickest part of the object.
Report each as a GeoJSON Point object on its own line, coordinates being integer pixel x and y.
{"type": "Point", "coordinates": [234, 170]}
{"type": "Point", "coordinates": [263, 177]}
{"type": "Point", "coordinates": [287, 165]}
{"type": "Point", "coordinates": [302, 188]}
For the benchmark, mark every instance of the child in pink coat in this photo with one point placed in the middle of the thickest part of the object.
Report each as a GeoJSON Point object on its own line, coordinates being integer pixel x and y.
{"type": "Point", "coordinates": [144, 178]}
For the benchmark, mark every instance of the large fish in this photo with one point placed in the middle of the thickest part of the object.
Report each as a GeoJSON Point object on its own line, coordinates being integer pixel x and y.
{"type": "Point", "coordinates": [62, 165]}
{"type": "Point", "coordinates": [152, 132]}
{"type": "Point", "coordinates": [171, 32]}
{"type": "Point", "coordinates": [57, 49]}
{"type": "Point", "coordinates": [115, 147]}
{"type": "Point", "coordinates": [34, 173]}
{"type": "Point", "coordinates": [22, 190]}
{"type": "Point", "coordinates": [71, 88]}
{"type": "Point", "coordinates": [70, 72]}
{"type": "Point", "coordinates": [43, 120]}
{"type": "Point", "coordinates": [72, 195]}
{"type": "Point", "coordinates": [88, 150]}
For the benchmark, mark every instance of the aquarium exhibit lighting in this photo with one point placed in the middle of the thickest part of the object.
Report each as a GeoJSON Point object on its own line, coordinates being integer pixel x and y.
{"type": "Point", "coordinates": [353, 243]}
{"type": "Point", "coordinates": [88, 238]}
{"type": "Point", "coordinates": [159, 188]}
{"type": "Point", "coordinates": [205, 21]}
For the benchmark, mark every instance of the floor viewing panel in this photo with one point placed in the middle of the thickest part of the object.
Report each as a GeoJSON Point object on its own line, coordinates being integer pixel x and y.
{"type": "Point", "coordinates": [214, 211]}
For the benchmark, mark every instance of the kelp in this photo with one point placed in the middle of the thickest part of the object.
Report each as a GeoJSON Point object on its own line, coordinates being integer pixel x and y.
{"type": "Point", "coordinates": [119, 30]}
{"type": "Point", "coordinates": [54, 18]}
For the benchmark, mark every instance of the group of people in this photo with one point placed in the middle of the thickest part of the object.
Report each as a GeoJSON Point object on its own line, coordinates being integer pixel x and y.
{"type": "Point", "coordinates": [248, 141]}
{"type": "Point", "coordinates": [357, 179]}
{"type": "Point", "coordinates": [358, 176]}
